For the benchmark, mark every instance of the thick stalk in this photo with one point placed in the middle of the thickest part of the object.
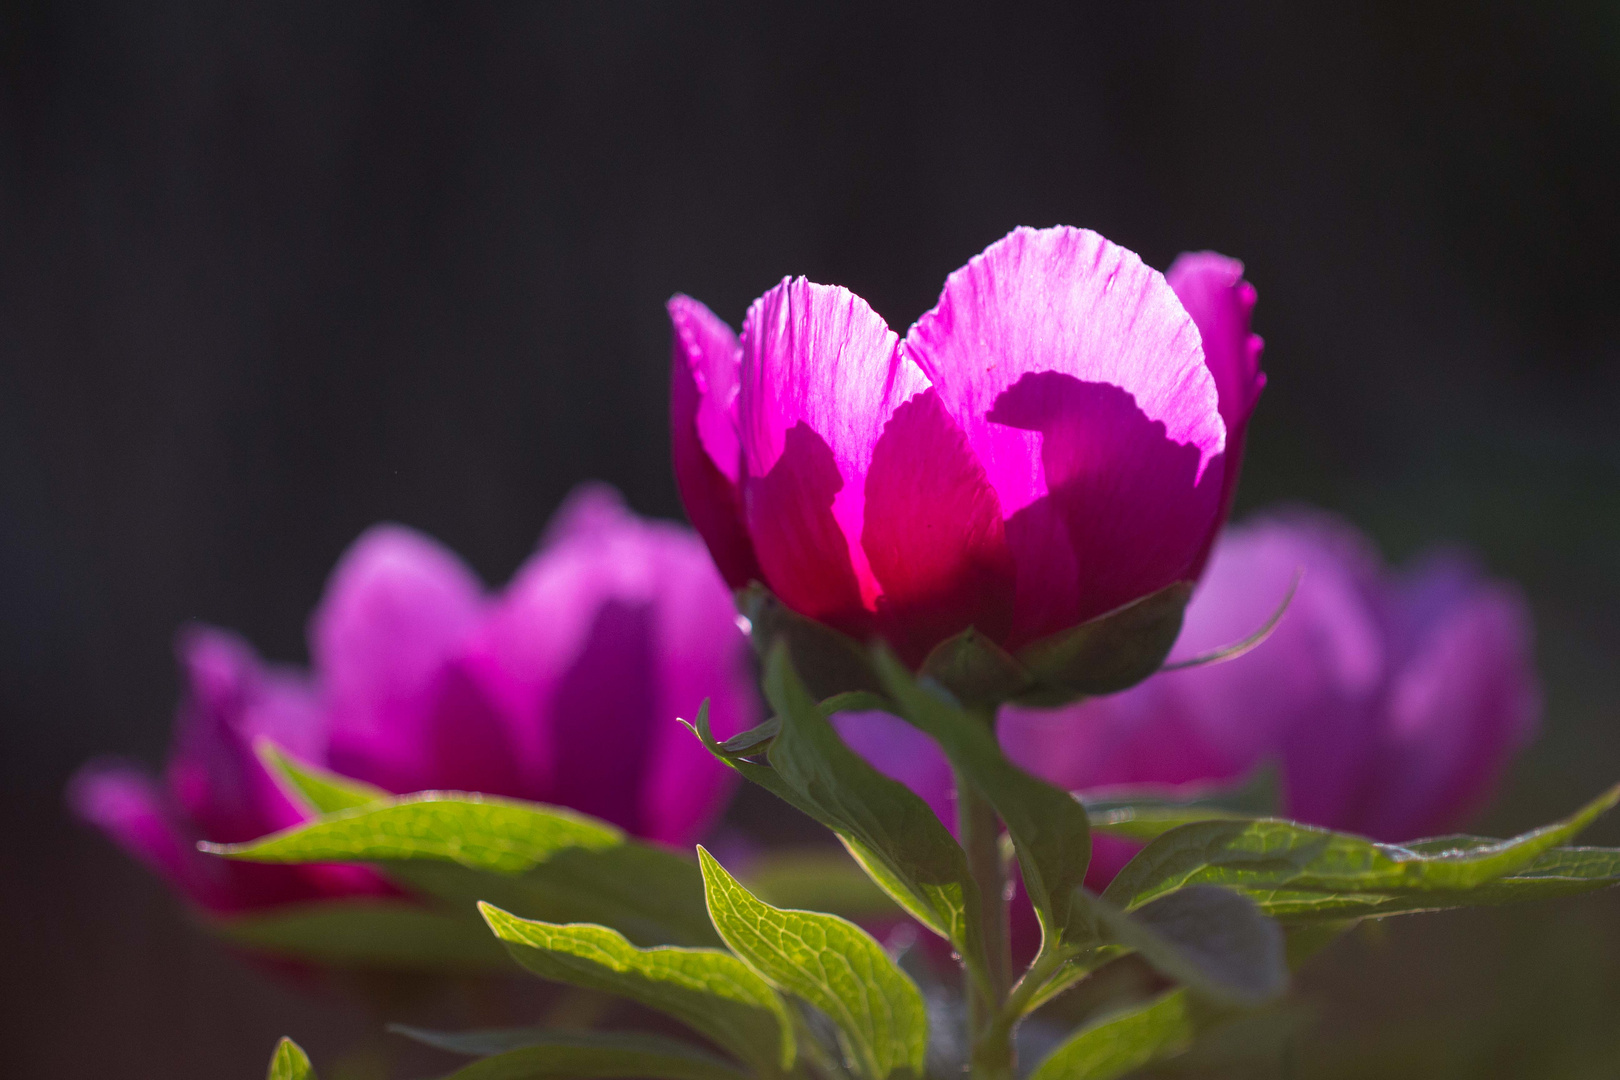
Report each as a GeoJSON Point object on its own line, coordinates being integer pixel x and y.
{"type": "Point", "coordinates": [980, 832]}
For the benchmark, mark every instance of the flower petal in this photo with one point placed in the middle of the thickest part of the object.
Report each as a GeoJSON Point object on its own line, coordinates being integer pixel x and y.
{"type": "Point", "coordinates": [934, 534]}
{"type": "Point", "coordinates": [601, 714]}
{"type": "Point", "coordinates": [1080, 382]}
{"type": "Point", "coordinates": [128, 806]}
{"type": "Point", "coordinates": [821, 375]}
{"type": "Point", "coordinates": [1464, 701]}
{"type": "Point", "coordinates": [232, 700]}
{"type": "Point", "coordinates": [397, 607]}
{"type": "Point", "coordinates": [704, 378]}
{"type": "Point", "coordinates": [1211, 288]}
{"type": "Point", "coordinates": [607, 636]}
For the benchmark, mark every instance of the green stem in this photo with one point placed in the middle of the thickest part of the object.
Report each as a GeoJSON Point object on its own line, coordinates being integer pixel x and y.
{"type": "Point", "coordinates": [980, 832]}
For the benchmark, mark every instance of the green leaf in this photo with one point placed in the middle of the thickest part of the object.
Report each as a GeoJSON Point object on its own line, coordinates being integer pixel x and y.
{"type": "Point", "coordinates": [1047, 824]}
{"type": "Point", "coordinates": [477, 831]}
{"type": "Point", "coordinates": [370, 935]}
{"type": "Point", "coordinates": [520, 1054]}
{"type": "Point", "coordinates": [894, 836]}
{"type": "Point", "coordinates": [1270, 854]}
{"type": "Point", "coordinates": [323, 791]}
{"type": "Point", "coordinates": [1124, 1042]}
{"type": "Point", "coordinates": [833, 965]}
{"type": "Point", "coordinates": [1110, 653]}
{"type": "Point", "coordinates": [710, 991]}
{"type": "Point", "coordinates": [1209, 939]}
{"type": "Point", "coordinates": [542, 861]}
{"type": "Point", "coordinates": [289, 1062]}
{"type": "Point", "coordinates": [1556, 873]}
{"type": "Point", "coordinates": [818, 879]}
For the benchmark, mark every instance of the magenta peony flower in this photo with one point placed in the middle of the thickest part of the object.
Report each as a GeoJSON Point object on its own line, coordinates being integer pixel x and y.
{"type": "Point", "coordinates": [564, 689]}
{"type": "Point", "coordinates": [1058, 437]}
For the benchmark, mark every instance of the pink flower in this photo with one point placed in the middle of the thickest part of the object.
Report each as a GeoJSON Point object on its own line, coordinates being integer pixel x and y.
{"type": "Point", "coordinates": [565, 688]}
{"type": "Point", "coordinates": [1056, 438]}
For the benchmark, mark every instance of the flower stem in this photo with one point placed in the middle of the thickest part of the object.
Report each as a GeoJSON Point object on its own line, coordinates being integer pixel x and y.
{"type": "Point", "coordinates": [980, 832]}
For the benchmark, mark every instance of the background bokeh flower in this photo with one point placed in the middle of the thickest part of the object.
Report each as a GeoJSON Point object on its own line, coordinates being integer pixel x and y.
{"type": "Point", "coordinates": [563, 688]}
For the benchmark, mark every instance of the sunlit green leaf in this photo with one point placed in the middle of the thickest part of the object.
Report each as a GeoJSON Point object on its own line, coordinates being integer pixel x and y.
{"type": "Point", "coordinates": [708, 990]}
{"type": "Point", "coordinates": [325, 792]}
{"type": "Point", "coordinates": [541, 861]}
{"type": "Point", "coordinates": [521, 1054]}
{"type": "Point", "coordinates": [888, 829]}
{"type": "Point", "coordinates": [1270, 854]}
{"type": "Point", "coordinates": [1119, 1044]}
{"type": "Point", "coordinates": [289, 1062]}
{"type": "Point", "coordinates": [1047, 825]}
{"type": "Point", "coordinates": [369, 935]}
{"type": "Point", "coordinates": [833, 965]}
{"type": "Point", "coordinates": [1559, 872]}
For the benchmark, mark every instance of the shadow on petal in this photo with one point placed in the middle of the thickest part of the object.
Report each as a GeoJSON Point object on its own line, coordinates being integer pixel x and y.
{"type": "Point", "coordinates": [802, 550]}
{"type": "Point", "coordinates": [1127, 509]}
{"type": "Point", "coordinates": [934, 534]}
{"type": "Point", "coordinates": [599, 717]}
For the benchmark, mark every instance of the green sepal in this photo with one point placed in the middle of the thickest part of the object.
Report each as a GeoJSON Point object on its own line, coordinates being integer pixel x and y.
{"type": "Point", "coordinates": [289, 1062]}
{"type": "Point", "coordinates": [709, 990]}
{"type": "Point", "coordinates": [1107, 654]}
{"type": "Point", "coordinates": [1268, 854]}
{"type": "Point", "coordinates": [533, 1053]}
{"type": "Point", "coordinates": [831, 964]}
{"type": "Point", "coordinates": [829, 662]}
{"type": "Point", "coordinates": [542, 861]}
{"type": "Point", "coordinates": [977, 671]}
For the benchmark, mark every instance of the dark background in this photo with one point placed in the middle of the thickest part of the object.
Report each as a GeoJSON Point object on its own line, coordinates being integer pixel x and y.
{"type": "Point", "coordinates": [270, 273]}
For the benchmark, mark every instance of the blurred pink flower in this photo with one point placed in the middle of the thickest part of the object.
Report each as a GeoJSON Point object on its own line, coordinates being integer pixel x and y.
{"type": "Point", "coordinates": [564, 688]}
{"type": "Point", "coordinates": [1057, 437]}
